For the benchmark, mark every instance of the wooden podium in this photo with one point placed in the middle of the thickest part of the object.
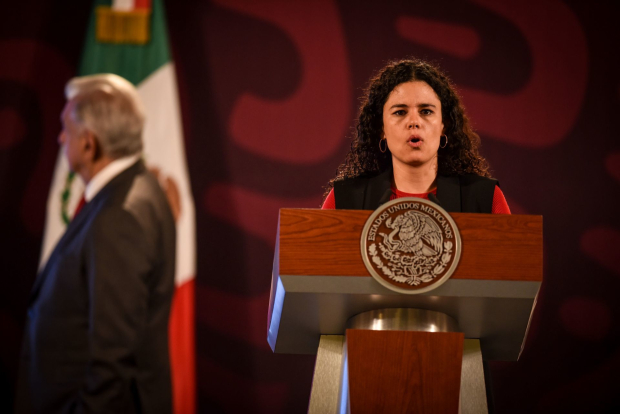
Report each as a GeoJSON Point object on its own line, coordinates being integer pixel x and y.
{"type": "Point", "coordinates": [401, 353]}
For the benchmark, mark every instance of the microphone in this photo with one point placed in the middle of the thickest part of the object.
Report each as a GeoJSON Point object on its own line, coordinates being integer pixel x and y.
{"type": "Point", "coordinates": [434, 199]}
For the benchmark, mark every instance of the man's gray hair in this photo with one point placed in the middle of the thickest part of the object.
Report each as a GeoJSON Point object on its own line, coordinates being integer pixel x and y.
{"type": "Point", "coordinates": [110, 107]}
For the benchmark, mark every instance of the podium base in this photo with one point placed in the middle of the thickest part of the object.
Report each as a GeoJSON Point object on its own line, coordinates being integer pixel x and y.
{"type": "Point", "coordinates": [330, 388]}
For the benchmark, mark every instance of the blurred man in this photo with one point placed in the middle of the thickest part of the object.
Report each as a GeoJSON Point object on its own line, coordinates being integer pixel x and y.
{"type": "Point", "coordinates": [96, 331]}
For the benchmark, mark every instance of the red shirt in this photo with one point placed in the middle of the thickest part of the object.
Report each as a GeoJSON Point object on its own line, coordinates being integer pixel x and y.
{"type": "Point", "coordinates": [500, 206]}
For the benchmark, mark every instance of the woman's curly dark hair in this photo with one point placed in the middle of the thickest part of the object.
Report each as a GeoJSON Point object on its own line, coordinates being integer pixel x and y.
{"type": "Point", "coordinates": [460, 156]}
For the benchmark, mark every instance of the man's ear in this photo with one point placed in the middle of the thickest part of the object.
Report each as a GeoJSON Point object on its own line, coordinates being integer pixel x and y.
{"type": "Point", "coordinates": [91, 146]}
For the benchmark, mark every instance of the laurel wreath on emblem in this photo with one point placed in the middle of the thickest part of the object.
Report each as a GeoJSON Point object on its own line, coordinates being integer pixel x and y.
{"type": "Point", "coordinates": [414, 251]}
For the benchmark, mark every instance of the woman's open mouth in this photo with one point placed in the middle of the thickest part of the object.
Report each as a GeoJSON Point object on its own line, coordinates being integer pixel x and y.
{"type": "Point", "coordinates": [415, 142]}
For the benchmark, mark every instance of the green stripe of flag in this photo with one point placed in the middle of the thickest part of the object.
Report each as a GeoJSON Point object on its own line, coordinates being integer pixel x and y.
{"type": "Point", "coordinates": [133, 62]}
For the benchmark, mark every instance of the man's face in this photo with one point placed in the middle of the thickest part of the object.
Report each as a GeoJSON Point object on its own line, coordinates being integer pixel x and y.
{"type": "Point", "coordinates": [72, 139]}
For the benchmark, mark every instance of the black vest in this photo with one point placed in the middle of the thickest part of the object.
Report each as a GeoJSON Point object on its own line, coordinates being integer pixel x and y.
{"type": "Point", "coordinates": [468, 193]}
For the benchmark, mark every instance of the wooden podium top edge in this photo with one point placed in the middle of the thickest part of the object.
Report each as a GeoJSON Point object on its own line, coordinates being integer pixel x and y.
{"type": "Point", "coordinates": [327, 242]}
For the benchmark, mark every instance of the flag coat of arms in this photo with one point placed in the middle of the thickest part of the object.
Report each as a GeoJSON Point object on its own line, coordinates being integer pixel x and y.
{"type": "Point", "coordinates": [129, 38]}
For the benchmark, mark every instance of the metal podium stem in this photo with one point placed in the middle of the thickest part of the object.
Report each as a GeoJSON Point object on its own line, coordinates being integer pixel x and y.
{"type": "Point", "coordinates": [473, 390]}
{"type": "Point", "coordinates": [403, 319]}
{"type": "Point", "coordinates": [327, 383]}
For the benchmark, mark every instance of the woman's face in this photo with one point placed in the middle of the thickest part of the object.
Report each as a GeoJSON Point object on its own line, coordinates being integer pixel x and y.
{"type": "Point", "coordinates": [412, 124]}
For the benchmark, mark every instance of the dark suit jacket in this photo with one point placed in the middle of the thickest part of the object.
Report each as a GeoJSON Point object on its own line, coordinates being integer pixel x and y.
{"type": "Point", "coordinates": [468, 193]}
{"type": "Point", "coordinates": [96, 337]}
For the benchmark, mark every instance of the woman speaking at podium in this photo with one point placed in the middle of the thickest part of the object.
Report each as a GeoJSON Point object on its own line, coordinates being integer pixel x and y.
{"type": "Point", "coordinates": [413, 139]}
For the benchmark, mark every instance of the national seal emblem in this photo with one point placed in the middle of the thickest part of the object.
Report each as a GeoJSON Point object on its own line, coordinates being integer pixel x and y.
{"type": "Point", "coordinates": [411, 245]}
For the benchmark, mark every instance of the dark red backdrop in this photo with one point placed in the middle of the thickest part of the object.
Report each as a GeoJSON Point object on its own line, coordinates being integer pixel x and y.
{"type": "Point", "coordinates": [269, 93]}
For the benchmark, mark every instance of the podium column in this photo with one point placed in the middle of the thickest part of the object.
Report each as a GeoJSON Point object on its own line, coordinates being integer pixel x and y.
{"type": "Point", "coordinates": [422, 366]}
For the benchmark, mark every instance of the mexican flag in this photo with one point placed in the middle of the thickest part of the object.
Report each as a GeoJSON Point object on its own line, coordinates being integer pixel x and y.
{"type": "Point", "coordinates": [129, 38]}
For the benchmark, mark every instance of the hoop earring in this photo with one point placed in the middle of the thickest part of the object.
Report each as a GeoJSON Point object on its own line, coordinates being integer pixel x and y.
{"type": "Point", "coordinates": [446, 143]}
{"type": "Point", "coordinates": [380, 148]}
